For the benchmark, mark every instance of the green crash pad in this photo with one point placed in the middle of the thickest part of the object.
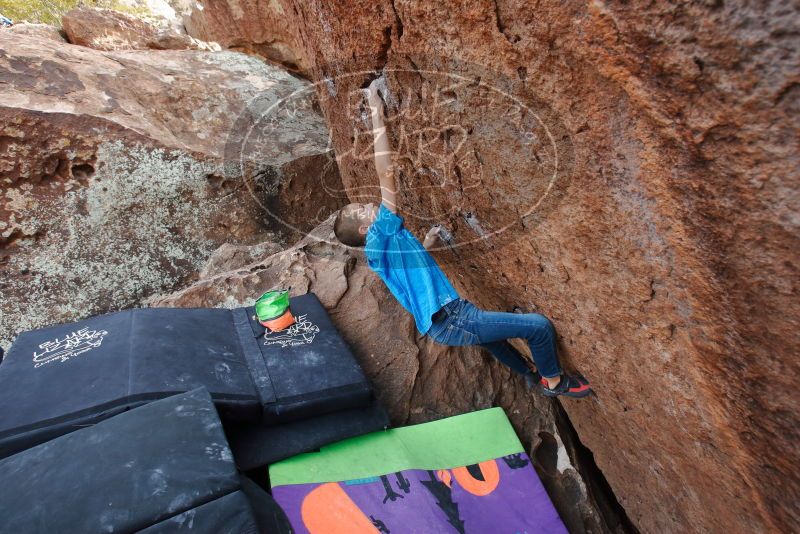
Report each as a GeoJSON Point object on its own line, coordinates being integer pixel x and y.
{"type": "Point", "coordinates": [452, 442]}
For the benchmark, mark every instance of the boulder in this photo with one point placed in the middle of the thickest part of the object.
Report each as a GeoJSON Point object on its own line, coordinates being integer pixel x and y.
{"type": "Point", "coordinates": [258, 27]}
{"type": "Point", "coordinates": [415, 379]}
{"type": "Point", "coordinates": [24, 29]}
{"type": "Point", "coordinates": [106, 29]}
{"type": "Point", "coordinates": [630, 171]}
{"type": "Point", "coordinates": [120, 172]}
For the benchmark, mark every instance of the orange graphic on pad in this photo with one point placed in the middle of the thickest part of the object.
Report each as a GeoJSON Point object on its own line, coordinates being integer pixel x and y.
{"type": "Point", "coordinates": [328, 510]}
{"type": "Point", "coordinates": [491, 478]}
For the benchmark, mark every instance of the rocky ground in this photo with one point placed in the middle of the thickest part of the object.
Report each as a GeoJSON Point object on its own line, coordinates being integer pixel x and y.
{"type": "Point", "coordinates": [630, 170]}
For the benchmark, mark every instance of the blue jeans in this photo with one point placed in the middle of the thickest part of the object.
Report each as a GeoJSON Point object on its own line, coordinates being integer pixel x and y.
{"type": "Point", "coordinates": [460, 323]}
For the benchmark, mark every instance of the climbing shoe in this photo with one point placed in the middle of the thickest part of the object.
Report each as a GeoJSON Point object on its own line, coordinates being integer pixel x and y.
{"type": "Point", "coordinates": [570, 386]}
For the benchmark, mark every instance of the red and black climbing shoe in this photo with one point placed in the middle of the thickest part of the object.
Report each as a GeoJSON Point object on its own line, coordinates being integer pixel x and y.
{"type": "Point", "coordinates": [570, 386]}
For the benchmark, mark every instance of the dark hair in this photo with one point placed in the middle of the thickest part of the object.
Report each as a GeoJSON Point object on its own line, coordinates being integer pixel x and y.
{"type": "Point", "coordinates": [347, 224]}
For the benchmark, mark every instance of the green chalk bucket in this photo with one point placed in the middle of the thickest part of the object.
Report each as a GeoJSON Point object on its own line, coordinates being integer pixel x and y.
{"type": "Point", "coordinates": [272, 310]}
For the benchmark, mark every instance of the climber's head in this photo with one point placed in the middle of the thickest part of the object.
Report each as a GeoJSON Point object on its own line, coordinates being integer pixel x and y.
{"type": "Point", "coordinates": [352, 223]}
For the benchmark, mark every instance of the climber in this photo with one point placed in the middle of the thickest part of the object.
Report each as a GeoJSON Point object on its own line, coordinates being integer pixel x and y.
{"type": "Point", "coordinates": [5, 22]}
{"type": "Point", "coordinates": [417, 282]}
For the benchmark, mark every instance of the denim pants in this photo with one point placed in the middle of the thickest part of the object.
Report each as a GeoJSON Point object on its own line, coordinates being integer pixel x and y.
{"type": "Point", "coordinates": [461, 323]}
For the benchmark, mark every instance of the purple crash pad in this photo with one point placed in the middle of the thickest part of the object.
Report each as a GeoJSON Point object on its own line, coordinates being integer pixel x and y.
{"type": "Point", "coordinates": [465, 474]}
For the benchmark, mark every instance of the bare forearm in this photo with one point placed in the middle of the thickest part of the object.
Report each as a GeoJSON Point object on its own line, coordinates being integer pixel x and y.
{"type": "Point", "coordinates": [383, 158]}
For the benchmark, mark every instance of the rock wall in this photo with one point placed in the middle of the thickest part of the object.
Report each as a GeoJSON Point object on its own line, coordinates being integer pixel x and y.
{"type": "Point", "coordinates": [253, 27]}
{"type": "Point", "coordinates": [120, 172]}
{"type": "Point", "coordinates": [628, 169]}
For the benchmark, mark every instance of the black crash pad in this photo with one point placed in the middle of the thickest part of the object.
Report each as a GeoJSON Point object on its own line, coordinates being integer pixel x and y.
{"type": "Point", "coordinates": [256, 446]}
{"type": "Point", "coordinates": [162, 467]}
{"type": "Point", "coordinates": [57, 379]}
{"type": "Point", "coordinates": [223, 516]}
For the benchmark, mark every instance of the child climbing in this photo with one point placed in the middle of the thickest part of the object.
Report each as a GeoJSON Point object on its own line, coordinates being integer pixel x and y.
{"type": "Point", "coordinates": [417, 282]}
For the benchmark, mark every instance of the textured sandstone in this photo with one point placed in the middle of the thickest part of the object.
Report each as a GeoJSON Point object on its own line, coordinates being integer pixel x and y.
{"type": "Point", "coordinates": [24, 29]}
{"type": "Point", "coordinates": [230, 256]}
{"type": "Point", "coordinates": [120, 172]}
{"type": "Point", "coordinates": [416, 380]}
{"type": "Point", "coordinates": [106, 29]}
{"type": "Point", "coordinates": [259, 27]}
{"type": "Point", "coordinates": [666, 248]}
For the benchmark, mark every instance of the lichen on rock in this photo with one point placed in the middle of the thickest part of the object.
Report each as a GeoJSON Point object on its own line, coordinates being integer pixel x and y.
{"type": "Point", "coordinates": [130, 231]}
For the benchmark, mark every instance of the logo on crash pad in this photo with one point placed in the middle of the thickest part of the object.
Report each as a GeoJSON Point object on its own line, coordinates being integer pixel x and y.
{"type": "Point", "coordinates": [70, 346]}
{"type": "Point", "coordinates": [302, 332]}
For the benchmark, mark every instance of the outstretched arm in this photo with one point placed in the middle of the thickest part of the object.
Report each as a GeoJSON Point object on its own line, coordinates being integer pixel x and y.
{"type": "Point", "coordinates": [383, 158]}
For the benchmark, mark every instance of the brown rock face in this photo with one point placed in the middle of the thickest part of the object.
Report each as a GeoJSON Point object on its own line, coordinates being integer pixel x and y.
{"type": "Point", "coordinates": [259, 27]}
{"type": "Point", "coordinates": [630, 170]}
{"type": "Point", "coordinates": [120, 172]}
{"type": "Point", "coordinates": [415, 379]}
{"type": "Point", "coordinates": [106, 29]}
{"type": "Point", "coordinates": [45, 31]}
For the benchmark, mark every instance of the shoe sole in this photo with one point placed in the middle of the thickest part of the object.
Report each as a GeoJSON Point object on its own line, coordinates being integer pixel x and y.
{"type": "Point", "coordinates": [578, 395]}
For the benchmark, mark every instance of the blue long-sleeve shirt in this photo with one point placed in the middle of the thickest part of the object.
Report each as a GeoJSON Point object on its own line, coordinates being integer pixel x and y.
{"type": "Point", "coordinates": [410, 273]}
